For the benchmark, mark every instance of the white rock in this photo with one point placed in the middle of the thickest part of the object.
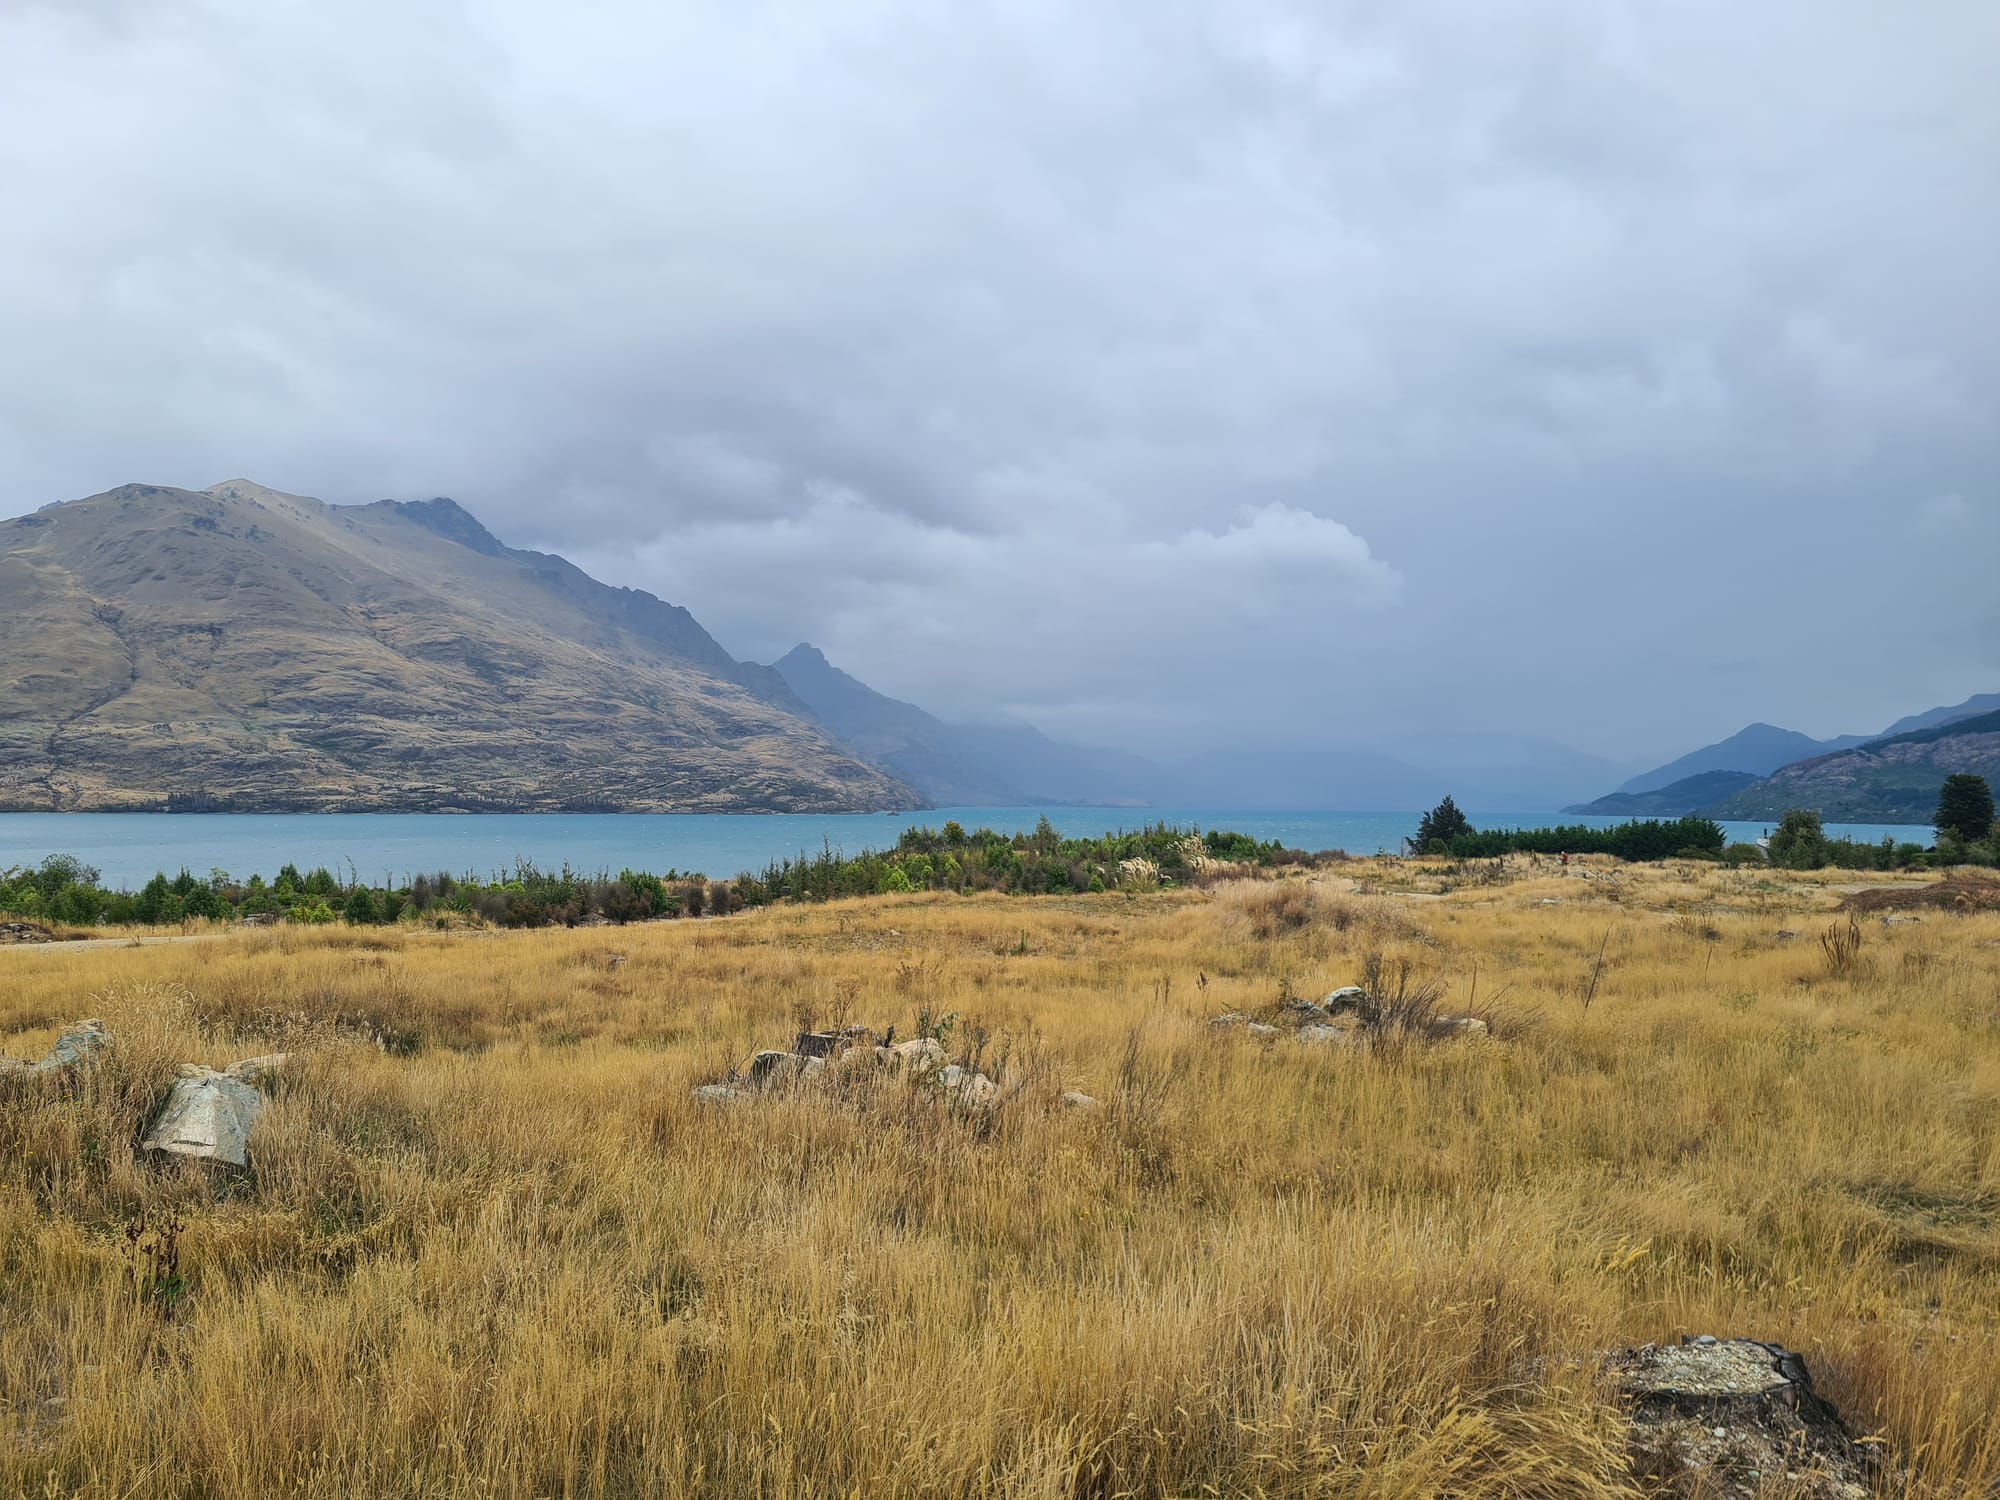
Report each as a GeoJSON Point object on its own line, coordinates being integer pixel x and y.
{"type": "Point", "coordinates": [1458, 1026]}
{"type": "Point", "coordinates": [975, 1089]}
{"type": "Point", "coordinates": [920, 1053]}
{"type": "Point", "coordinates": [1077, 1099]}
{"type": "Point", "coordinates": [1325, 1036]}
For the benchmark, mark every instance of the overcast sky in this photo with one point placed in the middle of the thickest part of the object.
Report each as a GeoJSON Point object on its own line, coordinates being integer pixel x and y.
{"type": "Point", "coordinates": [1286, 373]}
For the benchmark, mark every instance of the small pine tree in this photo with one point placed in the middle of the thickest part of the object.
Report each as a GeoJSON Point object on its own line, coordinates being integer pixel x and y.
{"type": "Point", "coordinates": [1441, 825]}
{"type": "Point", "coordinates": [360, 908]}
{"type": "Point", "coordinates": [1965, 808]}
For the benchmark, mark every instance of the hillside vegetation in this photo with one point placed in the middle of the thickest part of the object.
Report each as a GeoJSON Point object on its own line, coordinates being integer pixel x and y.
{"type": "Point", "coordinates": [1892, 780]}
{"type": "Point", "coordinates": [238, 649]}
{"type": "Point", "coordinates": [491, 1245]}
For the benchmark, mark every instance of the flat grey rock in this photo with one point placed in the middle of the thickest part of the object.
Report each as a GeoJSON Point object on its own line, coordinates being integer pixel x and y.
{"type": "Point", "coordinates": [208, 1116]}
{"type": "Point", "coordinates": [76, 1046]}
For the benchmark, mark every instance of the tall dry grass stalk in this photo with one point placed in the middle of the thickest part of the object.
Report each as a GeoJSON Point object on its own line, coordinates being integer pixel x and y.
{"type": "Point", "coordinates": [492, 1247]}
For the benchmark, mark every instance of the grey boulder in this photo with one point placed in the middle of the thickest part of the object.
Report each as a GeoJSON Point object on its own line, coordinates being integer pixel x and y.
{"type": "Point", "coordinates": [209, 1116]}
{"type": "Point", "coordinates": [774, 1069]}
{"type": "Point", "coordinates": [74, 1047]}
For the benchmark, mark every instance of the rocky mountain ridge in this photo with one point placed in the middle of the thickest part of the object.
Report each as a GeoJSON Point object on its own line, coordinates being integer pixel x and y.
{"type": "Point", "coordinates": [241, 649]}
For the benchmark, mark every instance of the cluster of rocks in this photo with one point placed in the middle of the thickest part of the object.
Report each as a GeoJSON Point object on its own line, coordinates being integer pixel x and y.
{"type": "Point", "coordinates": [853, 1051]}
{"type": "Point", "coordinates": [208, 1116]}
{"type": "Point", "coordinates": [1346, 1016]}
{"type": "Point", "coordinates": [25, 932]}
{"type": "Point", "coordinates": [1731, 1419]}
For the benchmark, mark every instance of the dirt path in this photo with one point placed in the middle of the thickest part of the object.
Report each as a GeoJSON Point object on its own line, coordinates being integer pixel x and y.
{"type": "Point", "coordinates": [77, 945]}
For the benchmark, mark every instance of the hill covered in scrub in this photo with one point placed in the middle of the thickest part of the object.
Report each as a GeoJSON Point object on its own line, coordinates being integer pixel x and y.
{"type": "Point", "coordinates": [240, 649]}
{"type": "Point", "coordinates": [1726, 779]}
{"type": "Point", "coordinates": [1891, 780]}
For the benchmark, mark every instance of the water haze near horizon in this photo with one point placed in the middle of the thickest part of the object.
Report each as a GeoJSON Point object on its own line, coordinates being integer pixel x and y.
{"type": "Point", "coordinates": [129, 848]}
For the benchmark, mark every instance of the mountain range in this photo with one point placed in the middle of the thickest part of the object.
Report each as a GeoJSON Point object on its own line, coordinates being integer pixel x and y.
{"type": "Point", "coordinates": [1762, 770]}
{"type": "Point", "coordinates": [1894, 779]}
{"type": "Point", "coordinates": [237, 648]}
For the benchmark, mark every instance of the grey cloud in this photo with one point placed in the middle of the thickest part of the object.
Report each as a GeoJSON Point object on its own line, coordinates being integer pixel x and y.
{"type": "Point", "coordinates": [1275, 370]}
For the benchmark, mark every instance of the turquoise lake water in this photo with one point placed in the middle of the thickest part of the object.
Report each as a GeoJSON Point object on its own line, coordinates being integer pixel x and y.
{"type": "Point", "coordinates": [383, 847]}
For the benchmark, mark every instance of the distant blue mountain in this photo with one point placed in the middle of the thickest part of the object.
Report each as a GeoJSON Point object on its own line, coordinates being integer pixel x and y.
{"type": "Point", "coordinates": [1978, 703]}
{"type": "Point", "coordinates": [1013, 765]}
{"type": "Point", "coordinates": [1757, 751]}
{"type": "Point", "coordinates": [960, 765]}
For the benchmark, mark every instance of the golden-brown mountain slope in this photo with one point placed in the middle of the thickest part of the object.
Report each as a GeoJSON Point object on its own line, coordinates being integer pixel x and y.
{"type": "Point", "coordinates": [244, 649]}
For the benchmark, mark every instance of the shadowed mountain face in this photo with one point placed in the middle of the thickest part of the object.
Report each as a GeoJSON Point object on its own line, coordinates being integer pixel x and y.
{"type": "Point", "coordinates": [244, 649]}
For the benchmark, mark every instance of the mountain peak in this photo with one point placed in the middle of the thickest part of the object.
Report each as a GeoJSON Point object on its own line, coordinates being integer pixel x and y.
{"type": "Point", "coordinates": [447, 518]}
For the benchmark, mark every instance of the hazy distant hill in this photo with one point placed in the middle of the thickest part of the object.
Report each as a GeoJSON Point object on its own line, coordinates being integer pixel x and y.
{"type": "Point", "coordinates": [1973, 707]}
{"type": "Point", "coordinates": [1758, 749]}
{"type": "Point", "coordinates": [1890, 780]}
{"type": "Point", "coordinates": [241, 648]}
{"type": "Point", "coordinates": [957, 764]}
{"type": "Point", "coordinates": [1687, 795]}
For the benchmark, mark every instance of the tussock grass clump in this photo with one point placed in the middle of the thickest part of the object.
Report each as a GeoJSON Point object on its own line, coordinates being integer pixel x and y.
{"type": "Point", "coordinates": [491, 1245]}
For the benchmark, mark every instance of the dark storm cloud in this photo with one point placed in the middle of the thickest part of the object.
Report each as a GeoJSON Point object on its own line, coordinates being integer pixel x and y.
{"type": "Point", "coordinates": [1272, 372]}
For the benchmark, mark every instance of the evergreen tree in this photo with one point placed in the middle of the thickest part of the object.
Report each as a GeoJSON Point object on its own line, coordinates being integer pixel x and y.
{"type": "Point", "coordinates": [1965, 808]}
{"type": "Point", "coordinates": [155, 899]}
{"type": "Point", "coordinates": [1800, 842]}
{"type": "Point", "coordinates": [1441, 825]}
{"type": "Point", "coordinates": [360, 908]}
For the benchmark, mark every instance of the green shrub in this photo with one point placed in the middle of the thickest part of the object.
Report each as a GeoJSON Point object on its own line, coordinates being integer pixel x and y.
{"type": "Point", "coordinates": [1651, 838]}
{"type": "Point", "coordinates": [1800, 842]}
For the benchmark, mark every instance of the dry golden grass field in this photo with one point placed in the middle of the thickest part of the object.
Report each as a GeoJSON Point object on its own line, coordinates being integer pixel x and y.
{"type": "Point", "coordinates": [490, 1245]}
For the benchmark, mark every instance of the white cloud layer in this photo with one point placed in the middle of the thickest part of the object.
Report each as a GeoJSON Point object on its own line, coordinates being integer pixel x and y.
{"type": "Point", "coordinates": [1271, 370]}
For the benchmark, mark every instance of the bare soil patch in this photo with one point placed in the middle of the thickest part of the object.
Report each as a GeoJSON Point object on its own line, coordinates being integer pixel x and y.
{"type": "Point", "coordinates": [1960, 891]}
